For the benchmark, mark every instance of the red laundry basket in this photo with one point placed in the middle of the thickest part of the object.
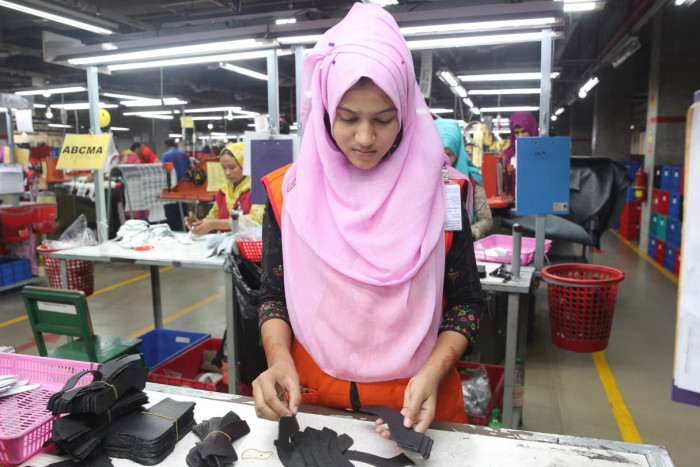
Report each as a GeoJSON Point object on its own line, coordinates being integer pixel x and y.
{"type": "Point", "coordinates": [581, 304]}
{"type": "Point", "coordinates": [251, 250]}
{"type": "Point", "coordinates": [81, 273]}
{"type": "Point", "coordinates": [16, 223]}
{"type": "Point", "coordinates": [43, 218]}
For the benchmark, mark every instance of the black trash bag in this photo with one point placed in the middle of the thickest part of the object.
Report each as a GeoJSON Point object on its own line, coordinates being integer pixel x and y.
{"type": "Point", "coordinates": [246, 282]}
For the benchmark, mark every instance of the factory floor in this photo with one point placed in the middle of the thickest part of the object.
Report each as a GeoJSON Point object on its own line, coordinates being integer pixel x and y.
{"type": "Point", "coordinates": [564, 391]}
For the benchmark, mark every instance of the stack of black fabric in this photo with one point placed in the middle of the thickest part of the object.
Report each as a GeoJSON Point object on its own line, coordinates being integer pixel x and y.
{"type": "Point", "coordinates": [217, 434]}
{"type": "Point", "coordinates": [149, 436]}
{"type": "Point", "coordinates": [78, 435]}
{"type": "Point", "coordinates": [110, 381]}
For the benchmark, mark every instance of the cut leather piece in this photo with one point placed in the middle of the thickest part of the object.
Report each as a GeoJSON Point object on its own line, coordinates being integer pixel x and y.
{"type": "Point", "coordinates": [217, 435]}
{"type": "Point", "coordinates": [367, 458]}
{"type": "Point", "coordinates": [404, 437]}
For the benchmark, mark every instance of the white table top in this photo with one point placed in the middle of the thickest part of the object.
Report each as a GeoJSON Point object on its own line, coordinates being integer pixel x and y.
{"type": "Point", "coordinates": [463, 446]}
{"type": "Point", "coordinates": [521, 285]}
{"type": "Point", "coordinates": [177, 254]}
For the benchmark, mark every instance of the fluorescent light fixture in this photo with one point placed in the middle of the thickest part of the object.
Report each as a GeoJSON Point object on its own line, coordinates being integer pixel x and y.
{"type": "Point", "coordinates": [50, 91]}
{"type": "Point", "coordinates": [39, 106]}
{"type": "Point", "coordinates": [49, 114]}
{"type": "Point", "coordinates": [448, 78]}
{"type": "Point", "coordinates": [475, 110]}
{"type": "Point", "coordinates": [460, 91]}
{"type": "Point", "coordinates": [59, 125]}
{"type": "Point", "coordinates": [293, 127]}
{"type": "Point", "coordinates": [150, 112]}
{"type": "Point", "coordinates": [213, 109]}
{"type": "Point", "coordinates": [56, 18]}
{"type": "Point", "coordinates": [153, 102]}
{"type": "Point", "coordinates": [586, 88]}
{"type": "Point", "coordinates": [237, 117]}
{"type": "Point", "coordinates": [526, 108]}
{"type": "Point", "coordinates": [243, 71]}
{"type": "Point", "coordinates": [208, 117]}
{"type": "Point", "coordinates": [195, 60]}
{"type": "Point", "coordinates": [470, 41]}
{"type": "Point", "coordinates": [174, 135]}
{"type": "Point", "coordinates": [468, 102]}
{"type": "Point", "coordinates": [441, 111]}
{"type": "Point", "coordinates": [383, 2]}
{"type": "Point", "coordinates": [559, 111]}
{"type": "Point", "coordinates": [108, 46]}
{"type": "Point", "coordinates": [124, 96]}
{"type": "Point", "coordinates": [501, 92]}
{"type": "Point", "coordinates": [570, 7]}
{"type": "Point", "coordinates": [281, 21]}
{"type": "Point", "coordinates": [197, 49]}
{"type": "Point", "coordinates": [119, 128]}
{"type": "Point", "coordinates": [534, 76]}
{"type": "Point", "coordinates": [478, 26]}
{"type": "Point", "coordinates": [150, 115]}
{"type": "Point", "coordinates": [82, 106]}
{"type": "Point", "coordinates": [554, 118]}
{"type": "Point", "coordinates": [296, 40]}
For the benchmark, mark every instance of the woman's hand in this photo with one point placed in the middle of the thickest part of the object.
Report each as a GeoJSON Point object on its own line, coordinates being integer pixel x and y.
{"type": "Point", "coordinates": [200, 227]}
{"type": "Point", "coordinates": [419, 403]}
{"type": "Point", "coordinates": [190, 219]}
{"type": "Point", "coordinates": [277, 380]}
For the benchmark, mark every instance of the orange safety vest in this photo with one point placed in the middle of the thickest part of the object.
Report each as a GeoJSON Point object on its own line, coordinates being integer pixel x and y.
{"type": "Point", "coordinates": [319, 388]}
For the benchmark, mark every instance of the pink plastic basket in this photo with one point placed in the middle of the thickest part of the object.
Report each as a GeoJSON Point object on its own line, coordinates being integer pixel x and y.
{"type": "Point", "coordinates": [499, 249]}
{"type": "Point", "coordinates": [25, 424]}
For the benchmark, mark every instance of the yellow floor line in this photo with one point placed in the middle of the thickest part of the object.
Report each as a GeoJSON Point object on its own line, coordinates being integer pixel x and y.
{"type": "Point", "coordinates": [625, 422]}
{"type": "Point", "coordinates": [97, 292]}
{"type": "Point", "coordinates": [672, 277]}
{"type": "Point", "coordinates": [179, 314]}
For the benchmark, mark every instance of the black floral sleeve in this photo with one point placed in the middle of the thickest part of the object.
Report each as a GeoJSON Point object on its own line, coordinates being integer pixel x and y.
{"type": "Point", "coordinates": [462, 291]}
{"type": "Point", "coordinates": [273, 304]}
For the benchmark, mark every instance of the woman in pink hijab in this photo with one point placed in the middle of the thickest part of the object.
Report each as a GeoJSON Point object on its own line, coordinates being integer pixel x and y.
{"type": "Point", "coordinates": [365, 298]}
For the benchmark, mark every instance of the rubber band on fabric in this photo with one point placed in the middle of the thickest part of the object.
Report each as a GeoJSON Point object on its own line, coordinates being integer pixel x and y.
{"type": "Point", "coordinates": [266, 454]}
{"type": "Point", "coordinates": [219, 432]}
{"type": "Point", "coordinates": [109, 416]}
{"type": "Point", "coordinates": [177, 436]}
{"type": "Point", "coordinates": [114, 388]}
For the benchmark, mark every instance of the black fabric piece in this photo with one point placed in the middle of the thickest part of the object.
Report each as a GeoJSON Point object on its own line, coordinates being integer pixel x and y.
{"type": "Point", "coordinates": [286, 427]}
{"type": "Point", "coordinates": [367, 458]}
{"type": "Point", "coordinates": [148, 437]}
{"type": "Point", "coordinates": [78, 435]}
{"type": "Point", "coordinates": [111, 381]}
{"type": "Point", "coordinates": [405, 437]}
{"type": "Point", "coordinates": [217, 435]}
{"type": "Point", "coordinates": [97, 459]}
{"type": "Point", "coordinates": [354, 396]}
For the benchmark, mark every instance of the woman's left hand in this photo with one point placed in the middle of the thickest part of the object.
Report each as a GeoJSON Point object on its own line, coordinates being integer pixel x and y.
{"type": "Point", "coordinates": [419, 404]}
{"type": "Point", "coordinates": [201, 227]}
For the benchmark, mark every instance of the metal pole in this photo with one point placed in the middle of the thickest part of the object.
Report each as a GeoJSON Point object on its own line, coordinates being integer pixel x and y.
{"type": "Point", "coordinates": [11, 147]}
{"type": "Point", "coordinates": [298, 61]}
{"type": "Point", "coordinates": [273, 97]}
{"type": "Point", "coordinates": [155, 298]}
{"type": "Point", "coordinates": [94, 98]}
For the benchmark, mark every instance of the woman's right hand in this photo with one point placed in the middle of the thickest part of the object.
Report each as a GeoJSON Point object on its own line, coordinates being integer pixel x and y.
{"type": "Point", "coordinates": [190, 220]}
{"type": "Point", "coordinates": [277, 380]}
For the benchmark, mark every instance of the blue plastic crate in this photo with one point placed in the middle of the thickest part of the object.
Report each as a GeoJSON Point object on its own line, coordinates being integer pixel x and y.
{"type": "Point", "coordinates": [14, 270]}
{"type": "Point", "coordinates": [671, 178]}
{"type": "Point", "coordinates": [651, 250]}
{"type": "Point", "coordinates": [675, 206]}
{"type": "Point", "coordinates": [630, 194]}
{"type": "Point", "coordinates": [661, 227]}
{"type": "Point", "coordinates": [161, 345]}
{"type": "Point", "coordinates": [674, 232]}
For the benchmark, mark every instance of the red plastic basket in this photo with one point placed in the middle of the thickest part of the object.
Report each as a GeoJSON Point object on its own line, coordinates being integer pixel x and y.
{"type": "Point", "coordinates": [25, 424]}
{"type": "Point", "coordinates": [81, 273]}
{"type": "Point", "coordinates": [496, 374]}
{"type": "Point", "coordinates": [16, 223]}
{"type": "Point", "coordinates": [581, 304]}
{"type": "Point", "coordinates": [251, 250]}
{"type": "Point", "coordinates": [183, 369]}
{"type": "Point", "coordinates": [43, 218]}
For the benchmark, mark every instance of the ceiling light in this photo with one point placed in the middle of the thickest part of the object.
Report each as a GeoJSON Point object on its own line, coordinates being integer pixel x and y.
{"type": "Point", "coordinates": [59, 125]}
{"type": "Point", "coordinates": [280, 21]}
{"type": "Point", "coordinates": [475, 110]}
{"type": "Point", "coordinates": [440, 111]}
{"type": "Point", "coordinates": [49, 114]}
{"type": "Point", "coordinates": [124, 96]}
{"type": "Point", "coordinates": [478, 26]}
{"type": "Point", "coordinates": [39, 106]}
{"type": "Point", "coordinates": [684, 2]}
{"type": "Point", "coordinates": [559, 111]}
{"type": "Point", "coordinates": [460, 91]}
{"type": "Point", "coordinates": [500, 92]}
{"type": "Point", "coordinates": [570, 7]}
{"type": "Point", "coordinates": [525, 108]}
{"type": "Point", "coordinates": [229, 116]}
{"type": "Point", "coordinates": [119, 128]}
{"type": "Point", "coordinates": [174, 135]}
{"type": "Point", "coordinates": [213, 109]}
{"type": "Point", "coordinates": [554, 118]}
{"type": "Point", "coordinates": [533, 76]}
{"type": "Point", "coordinates": [295, 40]}
{"type": "Point", "coordinates": [24, 134]}
{"type": "Point", "coordinates": [153, 102]}
{"type": "Point", "coordinates": [82, 106]}
{"type": "Point", "coordinates": [448, 78]}
{"type": "Point", "coordinates": [150, 115]}
{"type": "Point", "coordinates": [210, 126]}
{"type": "Point", "coordinates": [243, 71]}
{"type": "Point", "coordinates": [208, 117]}
{"type": "Point", "coordinates": [149, 112]}
{"type": "Point", "coordinates": [196, 49]}
{"type": "Point", "coordinates": [195, 60]}
{"type": "Point", "coordinates": [469, 41]}
{"type": "Point", "coordinates": [56, 18]}
{"type": "Point", "coordinates": [50, 91]}
{"type": "Point", "coordinates": [586, 88]}
{"type": "Point", "coordinates": [468, 102]}
{"type": "Point", "coordinates": [383, 2]}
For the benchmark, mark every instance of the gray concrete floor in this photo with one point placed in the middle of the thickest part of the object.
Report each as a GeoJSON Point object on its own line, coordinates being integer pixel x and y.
{"type": "Point", "coordinates": [563, 392]}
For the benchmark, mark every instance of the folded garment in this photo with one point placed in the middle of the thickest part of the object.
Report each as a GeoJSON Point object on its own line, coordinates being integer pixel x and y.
{"type": "Point", "coordinates": [110, 381]}
{"type": "Point", "coordinates": [149, 436]}
{"type": "Point", "coordinates": [217, 434]}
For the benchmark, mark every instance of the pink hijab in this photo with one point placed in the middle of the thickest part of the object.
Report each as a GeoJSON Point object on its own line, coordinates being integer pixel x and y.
{"type": "Point", "coordinates": [524, 120]}
{"type": "Point", "coordinates": [364, 252]}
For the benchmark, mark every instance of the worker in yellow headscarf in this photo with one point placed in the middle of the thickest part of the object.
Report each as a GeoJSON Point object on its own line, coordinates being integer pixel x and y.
{"type": "Point", "coordinates": [233, 195]}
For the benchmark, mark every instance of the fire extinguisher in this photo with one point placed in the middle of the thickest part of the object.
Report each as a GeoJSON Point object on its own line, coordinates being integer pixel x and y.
{"type": "Point", "coordinates": [640, 185]}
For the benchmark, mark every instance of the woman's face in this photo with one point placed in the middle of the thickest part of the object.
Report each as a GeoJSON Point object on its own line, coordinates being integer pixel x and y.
{"type": "Point", "coordinates": [366, 124]}
{"type": "Point", "coordinates": [451, 155]}
{"type": "Point", "coordinates": [519, 131]}
{"type": "Point", "coordinates": [232, 170]}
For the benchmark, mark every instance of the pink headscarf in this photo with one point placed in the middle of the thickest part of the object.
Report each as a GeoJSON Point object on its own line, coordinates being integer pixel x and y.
{"type": "Point", "coordinates": [524, 120]}
{"type": "Point", "coordinates": [364, 252]}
